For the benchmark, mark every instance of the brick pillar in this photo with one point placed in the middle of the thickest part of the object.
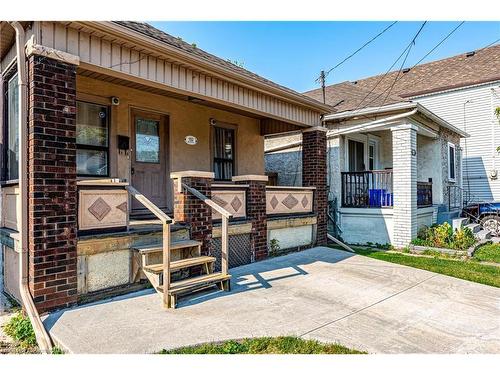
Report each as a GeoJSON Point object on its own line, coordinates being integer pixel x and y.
{"type": "Point", "coordinates": [314, 174]}
{"type": "Point", "coordinates": [404, 156]}
{"type": "Point", "coordinates": [52, 209]}
{"type": "Point", "coordinates": [256, 212]}
{"type": "Point", "coordinates": [192, 211]}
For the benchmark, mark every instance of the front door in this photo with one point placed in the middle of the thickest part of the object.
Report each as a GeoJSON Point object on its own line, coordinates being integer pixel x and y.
{"type": "Point", "coordinates": [149, 158]}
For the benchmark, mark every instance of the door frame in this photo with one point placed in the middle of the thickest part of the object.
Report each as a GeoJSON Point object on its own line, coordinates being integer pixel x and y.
{"type": "Point", "coordinates": [133, 111]}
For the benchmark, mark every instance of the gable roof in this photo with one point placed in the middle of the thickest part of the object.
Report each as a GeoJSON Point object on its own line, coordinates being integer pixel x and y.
{"type": "Point", "coordinates": [462, 70]}
{"type": "Point", "coordinates": [159, 35]}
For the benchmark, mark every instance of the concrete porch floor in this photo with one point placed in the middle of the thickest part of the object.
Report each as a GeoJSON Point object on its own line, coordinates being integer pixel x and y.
{"type": "Point", "coordinates": [321, 293]}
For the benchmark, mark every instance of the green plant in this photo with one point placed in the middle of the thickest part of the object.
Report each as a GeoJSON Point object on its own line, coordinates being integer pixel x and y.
{"type": "Point", "coordinates": [463, 238]}
{"type": "Point", "coordinates": [57, 350]}
{"type": "Point", "coordinates": [443, 236]}
{"type": "Point", "coordinates": [20, 329]}
{"type": "Point", "coordinates": [275, 247]}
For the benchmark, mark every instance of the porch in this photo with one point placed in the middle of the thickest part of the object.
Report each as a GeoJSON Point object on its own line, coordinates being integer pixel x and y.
{"type": "Point", "coordinates": [390, 173]}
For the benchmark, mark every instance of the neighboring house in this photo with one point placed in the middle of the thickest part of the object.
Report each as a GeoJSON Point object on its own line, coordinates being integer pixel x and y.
{"type": "Point", "coordinates": [116, 123]}
{"type": "Point", "coordinates": [463, 91]}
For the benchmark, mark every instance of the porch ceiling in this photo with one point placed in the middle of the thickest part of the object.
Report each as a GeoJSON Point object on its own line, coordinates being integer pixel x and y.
{"type": "Point", "coordinates": [269, 126]}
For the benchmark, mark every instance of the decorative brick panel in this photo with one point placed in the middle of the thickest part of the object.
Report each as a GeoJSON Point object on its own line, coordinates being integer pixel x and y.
{"type": "Point", "coordinates": [52, 183]}
{"type": "Point", "coordinates": [314, 174]}
{"type": "Point", "coordinates": [404, 156]}
{"type": "Point", "coordinates": [192, 211]}
{"type": "Point", "coordinates": [256, 213]}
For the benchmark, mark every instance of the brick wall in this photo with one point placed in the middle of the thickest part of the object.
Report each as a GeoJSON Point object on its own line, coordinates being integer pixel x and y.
{"type": "Point", "coordinates": [404, 146]}
{"type": "Point", "coordinates": [256, 213]}
{"type": "Point", "coordinates": [314, 173]}
{"type": "Point", "coordinates": [194, 212]}
{"type": "Point", "coordinates": [52, 183]}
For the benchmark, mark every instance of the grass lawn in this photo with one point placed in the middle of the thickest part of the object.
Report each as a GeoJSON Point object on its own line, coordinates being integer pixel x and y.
{"type": "Point", "coordinates": [467, 270]}
{"type": "Point", "coordinates": [488, 253]}
{"type": "Point", "coordinates": [265, 345]}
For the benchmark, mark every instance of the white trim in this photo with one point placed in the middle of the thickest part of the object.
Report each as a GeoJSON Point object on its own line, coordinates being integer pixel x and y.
{"type": "Point", "coordinates": [452, 145]}
{"type": "Point", "coordinates": [250, 177]}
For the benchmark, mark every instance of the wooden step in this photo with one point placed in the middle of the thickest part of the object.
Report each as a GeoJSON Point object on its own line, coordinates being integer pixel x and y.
{"type": "Point", "coordinates": [195, 282]}
{"type": "Point", "coordinates": [179, 264]}
{"type": "Point", "coordinates": [174, 245]}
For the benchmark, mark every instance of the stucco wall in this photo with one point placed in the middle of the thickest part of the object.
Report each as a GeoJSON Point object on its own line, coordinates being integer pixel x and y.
{"type": "Point", "coordinates": [288, 164]}
{"type": "Point", "coordinates": [185, 118]}
{"type": "Point", "coordinates": [429, 165]}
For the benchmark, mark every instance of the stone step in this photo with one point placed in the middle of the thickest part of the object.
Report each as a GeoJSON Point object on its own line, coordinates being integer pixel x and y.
{"type": "Point", "coordinates": [459, 223]}
{"type": "Point", "coordinates": [474, 227]}
{"type": "Point", "coordinates": [483, 234]}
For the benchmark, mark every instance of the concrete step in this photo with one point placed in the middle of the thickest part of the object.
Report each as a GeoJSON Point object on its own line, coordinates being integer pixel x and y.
{"type": "Point", "coordinates": [483, 234]}
{"type": "Point", "coordinates": [459, 223]}
{"type": "Point", "coordinates": [475, 228]}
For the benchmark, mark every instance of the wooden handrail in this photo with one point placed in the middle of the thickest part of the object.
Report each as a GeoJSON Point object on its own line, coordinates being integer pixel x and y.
{"type": "Point", "coordinates": [166, 221]}
{"type": "Point", "coordinates": [208, 201]}
{"type": "Point", "coordinates": [225, 225]}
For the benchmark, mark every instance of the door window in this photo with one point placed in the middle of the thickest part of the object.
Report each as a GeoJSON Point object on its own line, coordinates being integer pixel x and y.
{"type": "Point", "coordinates": [356, 154]}
{"type": "Point", "coordinates": [147, 141]}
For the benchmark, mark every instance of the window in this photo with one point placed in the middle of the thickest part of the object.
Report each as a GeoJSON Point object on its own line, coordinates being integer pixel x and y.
{"type": "Point", "coordinates": [356, 155]}
{"type": "Point", "coordinates": [92, 122]}
{"type": "Point", "coordinates": [11, 129]}
{"type": "Point", "coordinates": [451, 161]}
{"type": "Point", "coordinates": [223, 153]}
{"type": "Point", "coordinates": [147, 141]}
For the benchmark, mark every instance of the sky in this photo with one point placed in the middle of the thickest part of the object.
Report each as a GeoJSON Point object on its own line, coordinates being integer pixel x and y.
{"type": "Point", "coordinates": [294, 53]}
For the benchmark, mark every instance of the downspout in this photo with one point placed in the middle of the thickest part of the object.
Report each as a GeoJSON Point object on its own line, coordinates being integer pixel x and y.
{"type": "Point", "coordinates": [42, 337]}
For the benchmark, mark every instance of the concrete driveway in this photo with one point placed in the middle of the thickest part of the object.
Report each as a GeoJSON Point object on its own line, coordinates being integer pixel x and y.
{"type": "Point", "coordinates": [321, 293]}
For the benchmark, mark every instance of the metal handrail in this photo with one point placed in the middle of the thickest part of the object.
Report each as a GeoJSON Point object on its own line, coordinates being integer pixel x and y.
{"type": "Point", "coordinates": [166, 222]}
{"type": "Point", "coordinates": [226, 215]}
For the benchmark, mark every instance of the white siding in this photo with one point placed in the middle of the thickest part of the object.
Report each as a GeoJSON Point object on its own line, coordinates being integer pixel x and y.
{"type": "Point", "coordinates": [479, 151]}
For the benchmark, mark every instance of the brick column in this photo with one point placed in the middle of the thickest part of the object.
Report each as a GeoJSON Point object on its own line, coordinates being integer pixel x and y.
{"type": "Point", "coordinates": [314, 174]}
{"type": "Point", "coordinates": [256, 212]}
{"type": "Point", "coordinates": [404, 156]}
{"type": "Point", "coordinates": [192, 211]}
{"type": "Point", "coordinates": [52, 209]}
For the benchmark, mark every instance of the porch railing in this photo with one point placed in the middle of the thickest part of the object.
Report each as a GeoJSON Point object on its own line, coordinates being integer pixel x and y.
{"type": "Point", "coordinates": [424, 194]}
{"type": "Point", "coordinates": [374, 189]}
{"type": "Point", "coordinates": [367, 189]}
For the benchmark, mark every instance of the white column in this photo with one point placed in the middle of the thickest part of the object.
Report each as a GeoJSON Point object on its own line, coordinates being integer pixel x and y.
{"type": "Point", "coordinates": [404, 156]}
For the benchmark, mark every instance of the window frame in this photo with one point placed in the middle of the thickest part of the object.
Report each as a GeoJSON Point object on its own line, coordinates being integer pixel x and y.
{"type": "Point", "coordinates": [454, 147]}
{"type": "Point", "coordinates": [234, 129]}
{"type": "Point", "coordinates": [6, 78]}
{"type": "Point", "coordinates": [97, 148]}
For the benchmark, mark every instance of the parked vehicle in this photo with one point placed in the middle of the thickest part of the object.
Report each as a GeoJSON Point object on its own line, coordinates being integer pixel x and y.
{"type": "Point", "coordinates": [485, 213]}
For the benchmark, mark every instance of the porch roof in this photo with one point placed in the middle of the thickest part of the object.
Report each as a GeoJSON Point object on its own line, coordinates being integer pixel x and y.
{"type": "Point", "coordinates": [391, 111]}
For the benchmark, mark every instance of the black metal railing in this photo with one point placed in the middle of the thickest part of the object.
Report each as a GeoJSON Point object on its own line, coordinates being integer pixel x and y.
{"type": "Point", "coordinates": [375, 189]}
{"type": "Point", "coordinates": [367, 189]}
{"type": "Point", "coordinates": [424, 194]}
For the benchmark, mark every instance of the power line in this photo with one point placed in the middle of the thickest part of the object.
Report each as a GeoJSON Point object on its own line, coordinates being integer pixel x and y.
{"type": "Point", "coordinates": [408, 47]}
{"type": "Point", "coordinates": [360, 48]}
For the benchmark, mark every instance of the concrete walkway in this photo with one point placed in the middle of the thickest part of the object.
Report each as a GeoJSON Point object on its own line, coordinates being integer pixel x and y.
{"type": "Point", "coordinates": [321, 293]}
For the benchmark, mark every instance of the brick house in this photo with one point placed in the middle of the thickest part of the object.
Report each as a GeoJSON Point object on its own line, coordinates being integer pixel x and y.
{"type": "Point", "coordinates": [390, 164]}
{"type": "Point", "coordinates": [129, 155]}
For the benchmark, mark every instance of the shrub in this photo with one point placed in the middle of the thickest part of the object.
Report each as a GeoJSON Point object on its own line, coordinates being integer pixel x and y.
{"type": "Point", "coordinates": [443, 236]}
{"type": "Point", "coordinates": [20, 329]}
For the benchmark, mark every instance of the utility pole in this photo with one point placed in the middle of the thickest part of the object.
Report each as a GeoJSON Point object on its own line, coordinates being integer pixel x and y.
{"type": "Point", "coordinates": [322, 82]}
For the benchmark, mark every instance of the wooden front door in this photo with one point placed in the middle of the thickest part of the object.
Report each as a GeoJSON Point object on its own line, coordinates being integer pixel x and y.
{"type": "Point", "coordinates": [149, 159]}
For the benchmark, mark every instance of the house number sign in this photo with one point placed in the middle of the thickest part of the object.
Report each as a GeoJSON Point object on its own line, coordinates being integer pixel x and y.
{"type": "Point", "coordinates": [191, 140]}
